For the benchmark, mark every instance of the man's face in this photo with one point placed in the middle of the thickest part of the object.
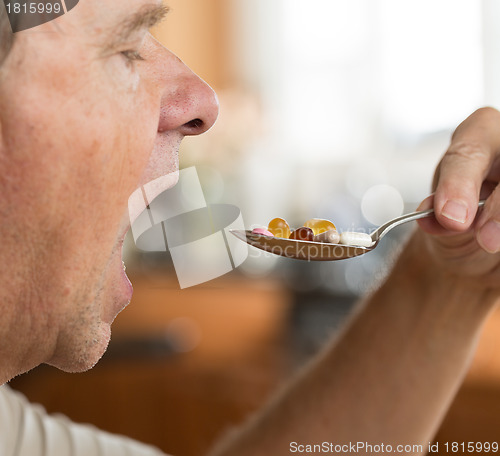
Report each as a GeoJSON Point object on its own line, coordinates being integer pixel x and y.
{"type": "Point", "coordinates": [83, 122]}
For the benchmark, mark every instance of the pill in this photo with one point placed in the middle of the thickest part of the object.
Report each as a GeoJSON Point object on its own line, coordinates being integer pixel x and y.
{"type": "Point", "coordinates": [331, 236]}
{"type": "Point", "coordinates": [262, 231]}
{"type": "Point", "coordinates": [357, 239]}
{"type": "Point", "coordinates": [279, 228]}
{"type": "Point", "coordinates": [319, 225]}
{"type": "Point", "coordinates": [302, 234]}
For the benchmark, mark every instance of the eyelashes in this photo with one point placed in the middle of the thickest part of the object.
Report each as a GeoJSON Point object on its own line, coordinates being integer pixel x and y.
{"type": "Point", "coordinates": [132, 56]}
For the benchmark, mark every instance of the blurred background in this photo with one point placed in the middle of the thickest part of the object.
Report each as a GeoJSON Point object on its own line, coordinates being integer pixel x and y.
{"type": "Point", "coordinates": [329, 109]}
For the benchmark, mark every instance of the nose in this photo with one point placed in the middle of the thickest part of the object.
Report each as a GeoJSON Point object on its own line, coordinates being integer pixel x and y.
{"type": "Point", "coordinates": [188, 104]}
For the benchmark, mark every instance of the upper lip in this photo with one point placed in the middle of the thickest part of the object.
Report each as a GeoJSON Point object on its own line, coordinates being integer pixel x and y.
{"type": "Point", "coordinates": [144, 195]}
{"type": "Point", "coordinates": [122, 237]}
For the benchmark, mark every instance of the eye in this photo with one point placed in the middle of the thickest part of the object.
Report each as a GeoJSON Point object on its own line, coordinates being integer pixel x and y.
{"type": "Point", "coordinates": [132, 56]}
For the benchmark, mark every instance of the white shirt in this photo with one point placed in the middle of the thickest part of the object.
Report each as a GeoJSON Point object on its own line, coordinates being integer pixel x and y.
{"type": "Point", "coordinates": [27, 430]}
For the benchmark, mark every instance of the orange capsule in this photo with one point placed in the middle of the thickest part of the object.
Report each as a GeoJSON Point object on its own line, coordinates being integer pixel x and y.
{"type": "Point", "coordinates": [303, 234]}
{"type": "Point", "coordinates": [279, 228]}
{"type": "Point", "coordinates": [320, 225]}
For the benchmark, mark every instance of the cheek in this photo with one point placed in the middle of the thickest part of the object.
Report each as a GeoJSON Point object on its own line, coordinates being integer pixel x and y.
{"type": "Point", "coordinates": [135, 136]}
{"type": "Point", "coordinates": [122, 74]}
{"type": "Point", "coordinates": [83, 160]}
{"type": "Point", "coordinates": [116, 131]}
{"type": "Point", "coordinates": [84, 138]}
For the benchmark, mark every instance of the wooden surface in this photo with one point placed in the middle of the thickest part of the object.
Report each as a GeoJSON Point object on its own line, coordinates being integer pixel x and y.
{"type": "Point", "coordinates": [237, 337]}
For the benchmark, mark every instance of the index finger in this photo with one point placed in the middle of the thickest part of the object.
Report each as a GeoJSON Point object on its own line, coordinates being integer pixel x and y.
{"type": "Point", "coordinates": [466, 164]}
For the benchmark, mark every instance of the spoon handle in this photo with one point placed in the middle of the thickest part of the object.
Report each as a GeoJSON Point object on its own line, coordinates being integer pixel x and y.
{"type": "Point", "coordinates": [382, 230]}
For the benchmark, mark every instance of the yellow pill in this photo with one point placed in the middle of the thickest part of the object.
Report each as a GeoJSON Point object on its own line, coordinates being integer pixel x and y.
{"type": "Point", "coordinates": [279, 227]}
{"type": "Point", "coordinates": [320, 225]}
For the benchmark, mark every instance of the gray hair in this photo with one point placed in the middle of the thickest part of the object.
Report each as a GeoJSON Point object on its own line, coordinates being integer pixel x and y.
{"type": "Point", "coordinates": [6, 35]}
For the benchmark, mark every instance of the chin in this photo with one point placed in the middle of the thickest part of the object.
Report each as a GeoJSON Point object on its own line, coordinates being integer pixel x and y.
{"type": "Point", "coordinates": [82, 352]}
{"type": "Point", "coordinates": [87, 331]}
{"type": "Point", "coordinates": [85, 325]}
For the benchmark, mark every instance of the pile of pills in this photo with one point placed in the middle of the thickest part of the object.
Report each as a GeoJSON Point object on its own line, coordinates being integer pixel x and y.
{"type": "Point", "coordinates": [316, 230]}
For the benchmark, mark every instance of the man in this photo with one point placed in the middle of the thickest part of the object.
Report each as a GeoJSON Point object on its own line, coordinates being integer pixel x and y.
{"type": "Point", "coordinates": [91, 107]}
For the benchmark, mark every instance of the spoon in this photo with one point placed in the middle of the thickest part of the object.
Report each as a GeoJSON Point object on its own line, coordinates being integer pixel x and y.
{"type": "Point", "coordinates": [323, 251]}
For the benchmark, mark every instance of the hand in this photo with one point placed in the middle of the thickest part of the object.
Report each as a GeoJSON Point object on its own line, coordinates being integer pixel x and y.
{"type": "Point", "coordinates": [469, 171]}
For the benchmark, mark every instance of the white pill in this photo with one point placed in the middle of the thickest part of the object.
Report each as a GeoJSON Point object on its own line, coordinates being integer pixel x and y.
{"type": "Point", "coordinates": [357, 239]}
{"type": "Point", "coordinates": [331, 236]}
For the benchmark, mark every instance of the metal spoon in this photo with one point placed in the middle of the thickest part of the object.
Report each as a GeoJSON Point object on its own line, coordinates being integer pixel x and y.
{"type": "Point", "coordinates": [322, 251]}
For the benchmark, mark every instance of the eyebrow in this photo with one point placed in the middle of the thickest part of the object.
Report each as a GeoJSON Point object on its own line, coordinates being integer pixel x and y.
{"type": "Point", "coordinates": [145, 18]}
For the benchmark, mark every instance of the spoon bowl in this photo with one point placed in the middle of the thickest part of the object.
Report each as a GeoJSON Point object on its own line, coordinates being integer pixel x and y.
{"type": "Point", "coordinates": [300, 250]}
{"type": "Point", "coordinates": [323, 251]}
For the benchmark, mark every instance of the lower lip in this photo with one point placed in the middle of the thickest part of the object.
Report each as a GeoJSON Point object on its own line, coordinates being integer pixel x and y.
{"type": "Point", "coordinates": [123, 289]}
{"type": "Point", "coordinates": [127, 285]}
{"type": "Point", "coordinates": [120, 298]}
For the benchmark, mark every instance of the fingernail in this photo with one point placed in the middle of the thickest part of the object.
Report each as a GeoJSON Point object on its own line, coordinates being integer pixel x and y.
{"type": "Point", "coordinates": [455, 210]}
{"type": "Point", "coordinates": [489, 236]}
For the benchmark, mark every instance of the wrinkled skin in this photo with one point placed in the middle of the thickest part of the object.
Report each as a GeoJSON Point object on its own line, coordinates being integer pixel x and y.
{"type": "Point", "coordinates": [84, 121]}
{"type": "Point", "coordinates": [462, 239]}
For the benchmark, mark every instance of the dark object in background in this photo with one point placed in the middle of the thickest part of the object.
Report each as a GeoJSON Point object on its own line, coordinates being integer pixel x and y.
{"type": "Point", "coordinates": [24, 15]}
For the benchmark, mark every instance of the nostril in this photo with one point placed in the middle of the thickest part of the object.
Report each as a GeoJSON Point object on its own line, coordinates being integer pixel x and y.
{"type": "Point", "coordinates": [195, 124]}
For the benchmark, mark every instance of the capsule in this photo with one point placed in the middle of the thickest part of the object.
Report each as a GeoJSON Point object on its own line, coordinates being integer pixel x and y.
{"type": "Point", "coordinates": [320, 225]}
{"type": "Point", "coordinates": [302, 234]}
{"type": "Point", "coordinates": [330, 236]}
{"type": "Point", "coordinates": [356, 239]}
{"type": "Point", "coordinates": [279, 228]}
